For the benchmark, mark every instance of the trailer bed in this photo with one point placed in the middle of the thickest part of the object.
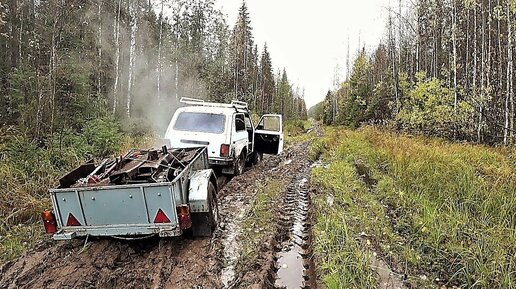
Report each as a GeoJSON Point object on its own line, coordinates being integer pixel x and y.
{"type": "Point", "coordinates": [128, 209]}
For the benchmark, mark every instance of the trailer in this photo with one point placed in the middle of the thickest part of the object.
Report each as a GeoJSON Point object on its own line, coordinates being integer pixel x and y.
{"type": "Point", "coordinates": [146, 192]}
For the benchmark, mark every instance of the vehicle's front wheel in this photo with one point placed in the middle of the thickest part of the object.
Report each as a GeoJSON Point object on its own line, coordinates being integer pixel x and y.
{"type": "Point", "coordinates": [240, 164]}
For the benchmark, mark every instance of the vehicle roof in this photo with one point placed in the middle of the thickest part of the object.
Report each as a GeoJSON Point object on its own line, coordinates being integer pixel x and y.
{"type": "Point", "coordinates": [210, 109]}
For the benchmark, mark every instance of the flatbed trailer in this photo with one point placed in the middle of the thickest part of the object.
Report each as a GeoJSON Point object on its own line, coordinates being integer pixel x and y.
{"type": "Point", "coordinates": [186, 200]}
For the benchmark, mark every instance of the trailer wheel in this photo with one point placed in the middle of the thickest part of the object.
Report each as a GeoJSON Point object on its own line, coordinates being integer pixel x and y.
{"type": "Point", "coordinates": [214, 207]}
{"type": "Point", "coordinates": [203, 224]}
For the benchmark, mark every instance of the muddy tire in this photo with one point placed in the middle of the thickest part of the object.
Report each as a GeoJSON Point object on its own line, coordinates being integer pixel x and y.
{"type": "Point", "coordinates": [257, 158]}
{"type": "Point", "coordinates": [239, 164]}
{"type": "Point", "coordinates": [214, 207]}
{"type": "Point", "coordinates": [203, 224]}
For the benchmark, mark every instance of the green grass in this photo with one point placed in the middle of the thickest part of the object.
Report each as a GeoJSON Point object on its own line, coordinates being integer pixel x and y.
{"type": "Point", "coordinates": [341, 259]}
{"type": "Point", "coordinates": [257, 224]}
{"type": "Point", "coordinates": [439, 209]}
{"type": "Point", "coordinates": [18, 239]}
{"type": "Point", "coordinates": [28, 169]}
{"type": "Point", "coordinates": [295, 131]}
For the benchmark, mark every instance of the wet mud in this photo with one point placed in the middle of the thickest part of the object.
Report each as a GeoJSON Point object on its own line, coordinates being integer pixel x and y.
{"type": "Point", "coordinates": [158, 262]}
{"type": "Point", "coordinates": [294, 266]}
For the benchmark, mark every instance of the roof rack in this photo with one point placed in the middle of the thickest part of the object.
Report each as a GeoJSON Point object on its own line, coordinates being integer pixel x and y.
{"type": "Point", "coordinates": [234, 104]}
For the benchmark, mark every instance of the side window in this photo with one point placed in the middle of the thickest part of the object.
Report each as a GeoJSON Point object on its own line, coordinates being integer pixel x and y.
{"type": "Point", "coordinates": [239, 122]}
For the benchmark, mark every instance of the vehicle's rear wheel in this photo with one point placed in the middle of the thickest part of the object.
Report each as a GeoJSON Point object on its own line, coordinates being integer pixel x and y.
{"type": "Point", "coordinates": [240, 164]}
{"type": "Point", "coordinates": [204, 224]}
{"type": "Point", "coordinates": [257, 158]}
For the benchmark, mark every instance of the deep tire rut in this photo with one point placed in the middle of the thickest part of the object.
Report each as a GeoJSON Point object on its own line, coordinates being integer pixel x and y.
{"type": "Point", "coordinates": [179, 262]}
{"type": "Point", "coordinates": [293, 264]}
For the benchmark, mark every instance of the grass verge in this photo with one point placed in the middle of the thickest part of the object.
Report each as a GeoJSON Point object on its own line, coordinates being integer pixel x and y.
{"type": "Point", "coordinates": [28, 168]}
{"type": "Point", "coordinates": [445, 213]}
{"type": "Point", "coordinates": [296, 131]}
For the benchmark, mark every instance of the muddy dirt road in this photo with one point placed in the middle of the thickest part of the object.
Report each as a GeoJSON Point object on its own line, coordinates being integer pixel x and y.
{"type": "Point", "coordinates": [189, 263]}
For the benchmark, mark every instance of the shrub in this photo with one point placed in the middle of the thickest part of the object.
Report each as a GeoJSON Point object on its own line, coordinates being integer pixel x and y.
{"type": "Point", "coordinates": [429, 108]}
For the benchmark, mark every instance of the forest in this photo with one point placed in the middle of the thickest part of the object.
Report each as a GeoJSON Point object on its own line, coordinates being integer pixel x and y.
{"type": "Point", "coordinates": [88, 79]}
{"type": "Point", "coordinates": [64, 63]}
{"type": "Point", "coordinates": [444, 68]}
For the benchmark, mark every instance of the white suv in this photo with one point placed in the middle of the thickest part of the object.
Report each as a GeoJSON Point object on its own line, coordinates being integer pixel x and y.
{"type": "Point", "coordinates": [228, 132]}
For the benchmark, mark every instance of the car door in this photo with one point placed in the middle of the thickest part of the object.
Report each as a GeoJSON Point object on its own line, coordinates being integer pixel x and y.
{"type": "Point", "coordinates": [240, 137]}
{"type": "Point", "coordinates": [269, 135]}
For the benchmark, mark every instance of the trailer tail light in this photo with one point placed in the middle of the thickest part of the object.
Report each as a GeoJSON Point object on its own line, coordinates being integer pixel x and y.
{"type": "Point", "coordinates": [183, 214]}
{"type": "Point", "coordinates": [72, 221]}
{"type": "Point", "coordinates": [49, 221]}
{"type": "Point", "coordinates": [161, 218]}
{"type": "Point", "coordinates": [224, 150]}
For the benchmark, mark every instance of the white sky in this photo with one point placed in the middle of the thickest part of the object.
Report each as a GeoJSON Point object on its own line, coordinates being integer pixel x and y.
{"type": "Point", "coordinates": [309, 38]}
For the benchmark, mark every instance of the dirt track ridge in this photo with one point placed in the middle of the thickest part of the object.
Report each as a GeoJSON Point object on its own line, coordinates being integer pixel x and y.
{"type": "Point", "coordinates": [162, 263]}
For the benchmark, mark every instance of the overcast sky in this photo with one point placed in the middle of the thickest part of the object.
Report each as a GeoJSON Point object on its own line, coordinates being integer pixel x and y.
{"type": "Point", "coordinates": [309, 38]}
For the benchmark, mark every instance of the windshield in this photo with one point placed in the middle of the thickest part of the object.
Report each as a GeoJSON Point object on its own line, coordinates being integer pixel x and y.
{"type": "Point", "coordinates": [200, 122]}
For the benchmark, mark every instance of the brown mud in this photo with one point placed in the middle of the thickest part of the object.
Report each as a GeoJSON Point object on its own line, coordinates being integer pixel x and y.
{"type": "Point", "coordinates": [167, 262]}
{"type": "Point", "coordinates": [290, 226]}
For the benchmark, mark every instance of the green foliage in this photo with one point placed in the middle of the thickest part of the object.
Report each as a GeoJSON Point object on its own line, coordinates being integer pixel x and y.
{"type": "Point", "coordinates": [296, 131]}
{"type": "Point", "coordinates": [317, 111]}
{"type": "Point", "coordinates": [23, 83]}
{"type": "Point", "coordinates": [30, 167]}
{"type": "Point", "coordinates": [439, 209]}
{"type": "Point", "coordinates": [328, 108]}
{"type": "Point", "coordinates": [103, 135]}
{"type": "Point", "coordinates": [296, 127]}
{"type": "Point", "coordinates": [429, 108]}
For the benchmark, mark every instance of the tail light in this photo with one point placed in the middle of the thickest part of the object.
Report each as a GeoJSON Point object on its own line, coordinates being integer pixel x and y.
{"type": "Point", "coordinates": [183, 214]}
{"type": "Point", "coordinates": [49, 221]}
{"type": "Point", "coordinates": [224, 150]}
{"type": "Point", "coordinates": [72, 221]}
{"type": "Point", "coordinates": [161, 218]}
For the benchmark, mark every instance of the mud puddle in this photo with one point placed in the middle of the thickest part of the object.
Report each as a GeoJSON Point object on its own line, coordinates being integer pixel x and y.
{"type": "Point", "coordinates": [231, 245]}
{"type": "Point", "coordinates": [295, 269]}
{"type": "Point", "coordinates": [181, 262]}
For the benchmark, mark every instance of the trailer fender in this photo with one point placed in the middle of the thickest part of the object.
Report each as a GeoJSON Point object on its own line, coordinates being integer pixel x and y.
{"type": "Point", "coordinates": [198, 190]}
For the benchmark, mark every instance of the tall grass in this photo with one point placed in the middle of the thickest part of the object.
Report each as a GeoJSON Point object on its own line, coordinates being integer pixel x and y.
{"type": "Point", "coordinates": [340, 257]}
{"type": "Point", "coordinates": [295, 131]}
{"type": "Point", "coordinates": [451, 208]}
{"type": "Point", "coordinates": [28, 168]}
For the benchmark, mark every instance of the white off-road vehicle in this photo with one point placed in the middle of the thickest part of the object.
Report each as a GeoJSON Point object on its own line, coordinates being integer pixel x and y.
{"type": "Point", "coordinates": [227, 131]}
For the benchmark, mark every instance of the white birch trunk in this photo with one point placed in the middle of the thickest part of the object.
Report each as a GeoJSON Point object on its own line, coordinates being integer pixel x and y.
{"type": "Point", "coordinates": [99, 36]}
{"type": "Point", "coordinates": [509, 97]}
{"type": "Point", "coordinates": [160, 65]}
{"type": "Point", "coordinates": [117, 58]}
{"type": "Point", "coordinates": [454, 40]}
{"type": "Point", "coordinates": [133, 25]}
{"type": "Point", "coordinates": [475, 64]}
{"type": "Point", "coordinates": [482, 79]}
{"type": "Point", "coordinates": [20, 36]}
{"type": "Point", "coordinates": [53, 53]}
{"type": "Point", "coordinates": [176, 81]}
